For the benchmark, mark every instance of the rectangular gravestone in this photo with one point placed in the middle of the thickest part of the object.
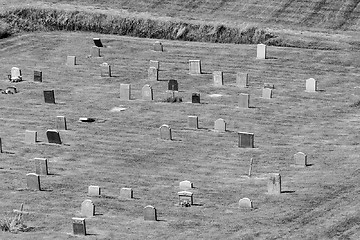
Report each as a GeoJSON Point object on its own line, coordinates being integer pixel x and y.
{"type": "Point", "coordinates": [173, 85]}
{"type": "Point", "coordinates": [1, 150]}
{"type": "Point", "coordinates": [53, 136]}
{"type": "Point", "coordinates": [194, 66]}
{"type": "Point", "coordinates": [150, 213]}
{"type": "Point", "coordinates": [267, 93]}
{"type": "Point", "coordinates": [218, 78]}
{"type": "Point", "coordinates": [158, 47]}
{"type": "Point", "coordinates": [95, 51]}
{"type": "Point", "coordinates": [193, 122]}
{"type": "Point", "coordinates": [30, 137]}
{"type": "Point", "coordinates": [33, 181]}
{"type": "Point", "coordinates": [97, 42]}
{"type": "Point", "coordinates": [147, 93]}
{"type": "Point", "coordinates": [242, 80]}
{"type": "Point", "coordinates": [41, 166]}
{"type": "Point", "coordinates": [94, 191]}
{"type": "Point", "coordinates": [153, 74]}
{"type": "Point", "coordinates": [154, 64]}
{"type": "Point", "coordinates": [311, 85]}
{"type": "Point", "coordinates": [165, 132]}
{"type": "Point", "coordinates": [185, 185]}
{"type": "Point", "coordinates": [274, 184]}
{"type": "Point", "coordinates": [185, 198]}
{"type": "Point", "coordinates": [87, 208]}
{"type": "Point", "coordinates": [71, 61]}
{"type": "Point", "coordinates": [79, 227]}
{"type": "Point", "coordinates": [261, 51]}
{"type": "Point", "coordinates": [220, 125]}
{"type": "Point", "coordinates": [60, 123]}
{"type": "Point", "coordinates": [195, 98]}
{"type": "Point", "coordinates": [300, 159]}
{"type": "Point", "coordinates": [105, 70]}
{"type": "Point", "coordinates": [125, 91]}
{"type": "Point", "coordinates": [16, 74]}
{"type": "Point", "coordinates": [49, 96]}
{"type": "Point", "coordinates": [37, 76]}
{"type": "Point", "coordinates": [126, 193]}
{"type": "Point", "coordinates": [244, 100]}
{"type": "Point", "coordinates": [246, 140]}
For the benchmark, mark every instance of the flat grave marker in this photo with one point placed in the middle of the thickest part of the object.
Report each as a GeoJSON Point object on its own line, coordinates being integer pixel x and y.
{"type": "Point", "coordinates": [79, 226]}
{"type": "Point", "coordinates": [153, 74]}
{"type": "Point", "coordinates": [193, 122]}
{"type": "Point", "coordinates": [242, 80]}
{"type": "Point", "coordinates": [218, 78]}
{"type": "Point", "coordinates": [311, 85]}
{"type": "Point", "coordinates": [71, 61]}
{"type": "Point", "coordinates": [173, 85]}
{"type": "Point", "coordinates": [60, 123]}
{"type": "Point", "coordinates": [150, 213]}
{"type": "Point", "coordinates": [165, 132]}
{"type": "Point", "coordinates": [246, 140]}
{"type": "Point", "coordinates": [126, 193]}
{"type": "Point", "coordinates": [244, 100]}
{"type": "Point", "coordinates": [87, 208]}
{"type": "Point", "coordinates": [97, 42]}
{"type": "Point", "coordinates": [261, 51]}
{"type": "Point", "coordinates": [33, 181]}
{"type": "Point", "coordinates": [195, 98]}
{"type": "Point", "coordinates": [41, 166]}
{"type": "Point", "coordinates": [94, 190]}
{"type": "Point", "coordinates": [274, 184]}
{"type": "Point", "coordinates": [125, 91]}
{"type": "Point", "coordinates": [105, 69]}
{"type": "Point", "coordinates": [49, 96]}
{"type": "Point", "coordinates": [194, 67]}
{"type": "Point", "coordinates": [300, 159]}
{"type": "Point", "coordinates": [53, 136]}
{"type": "Point", "coordinates": [220, 125]}
{"type": "Point", "coordinates": [30, 137]}
{"type": "Point", "coordinates": [38, 76]}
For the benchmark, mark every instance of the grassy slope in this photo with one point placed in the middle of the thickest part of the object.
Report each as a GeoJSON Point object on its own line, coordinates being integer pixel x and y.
{"type": "Point", "coordinates": [125, 151]}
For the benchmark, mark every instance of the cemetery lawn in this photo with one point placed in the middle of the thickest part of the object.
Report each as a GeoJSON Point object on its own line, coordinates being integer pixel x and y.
{"type": "Point", "coordinates": [123, 148]}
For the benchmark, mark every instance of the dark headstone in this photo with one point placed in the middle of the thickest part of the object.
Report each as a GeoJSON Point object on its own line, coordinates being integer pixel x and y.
{"type": "Point", "coordinates": [41, 166]}
{"type": "Point", "coordinates": [173, 85]}
{"type": "Point", "coordinates": [246, 140]}
{"type": "Point", "coordinates": [195, 98]}
{"type": "Point", "coordinates": [97, 42]}
{"type": "Point", "coordinates": [79, 226]}
{"type": "Point", "coordinates": [53, 136]}
{"type": "Point", "coordinates": [1, 146]}
{"type": "Point", "coordinates": [49, 96]}
{"type": "Point", "coordinates": [37, 76]}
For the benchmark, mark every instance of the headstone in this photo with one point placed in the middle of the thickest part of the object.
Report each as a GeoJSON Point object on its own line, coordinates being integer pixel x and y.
{"type": "Point", "coordinates": [16, 74]}
{"type": "Point", "coordinates": [94, 190]}
{"type": "Point", "coordinates": [30, 137]}
{"type": "Point", "coordinates": [261, 51]}
{"type": "Point", "coordinates": [194, 66]}
{"type": "Point", "coordinates": [37, 76]}
{"type": "Point", "coordinates": [244, 100]}
{"type": "Point", "coordinates": [193, 122]}
{"type": "Point", "coordinates": [97, 42]}
{"type": "Point", "coordinates": [220, 125]}
{"type": "Point", "coordinates": [311, 85]}
{"type": "Point", "coordinates": [274, 183]}
{"type": "Point", "coordinates": [71, 61]}
{"type": "Point", "coordinates": [33, 181]}
{"type": "Point", "coordinates": [245, 203]}
{"type": "Point", "coordinates": [185, 198]}
{"type": "Point", "coordinates": [185, 185]}
{"type": "Point", "coordinates": [195, 98]}
{"type": "Point", "coordinates": [41, 166]}
{"type": "Point", "coordinates": [269, 85]}
{"type": "Point", "coordinates": [154, 64]}
{"type": "Point", "coordinates": [95, 51]}
{"type": "Point", "coordinates": [1, 150]}
{"type": "Point", "coordinates": [150, 213]}
{"type": "Point", "coordinates": [267, 93]}
{"type": "Point", "coordinates": [87, 208]}
{"type": "Point", "coordinates": [125, 91]}
{"type": "Point", "coordinates": [218, 78]}
{"type": "Point", "coordinates": [79, 227]}
{"type": "Point", "coordinates": [105, 70]}
{"type": "Point", "coordinates": [147, 93]}
{"type": "Point", "coordinates": [165, 132]}
{"type": "Point", "coordinates": [153, 74]}
{"type": "Point", "coordinates": [126, 193]}
{"type": "Point", "coordinates": [60, 123]}
{"type": "Point", "coordinates": [246, 140]}
{"type": "Point", "coordinates": [300, 159]}
{"type": "Point", "coordinates": [173, 85]}
{"type": "Point", "coordinates": [49, 96]}
{"type": "Point", "coordinates": [158, 47]}
{"type": "Point", "coordinates": [242, 79]}
{"type": "Point", "coordinates": [53, 136]}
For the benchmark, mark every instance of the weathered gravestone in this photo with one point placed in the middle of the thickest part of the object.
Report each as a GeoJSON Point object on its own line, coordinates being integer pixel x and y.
{"type": "Point", "coordinates": [193, 122]}
{"type": "Point", "coordinates": [194, 66]}
{"type": "Point", "coordinates": [165, 132]}
{"type": "Point", "coordinates": [300, 159]}
{"type": "Point", "coordinates": [79, 227]}
{"type": "Point", "coordinates": [41, 166]}
{"type": "Point", "coordinates": [33, 181]}
{"type": "Point", "coordinates": [49, 96]}
{"type": "Point", "coordinates": [173, 85]}
{"type": "Point", "coordinates": [94, 190]}
{"type": "Point", "coordinates": [242, 80]}
{"type": "Point", "coordinates": [30, 137]}
{"type": "Point", "coordinates": [218, 78]}
{"type": "Point", "coordinates": [16, 74]}
{"type": "Point", "coordinates": [87, 208]}
{"type": "Point", "coordinates": [126, 193]}
{"type": "Point", "coordinates": [185, 198]}
{"type": "Point", "coordinates": [37, 76]}
{"type": "Point", "coordinates": [60, 123]}
{"type": "Point", "coordinates": [195, 98]}
{"type": "Point", "coordinates": [53, 136]}
{"type": "Point", "coordinates": [71, 61]}
{"type": "Point", "coordinates": [158, 47]}
{"type": "Point", "coordinates": [220, 125]}
{"type": "Point", "coordinates": [261, 51]}
{"type": "Point", "coordinates": [244, 100]}
{"type": "Point", "coordinates": [267, 93]}
{"type": "Point", "coordinates": [185, 185]}
{"type": "Point", "coordinates": [245, 203]}
{"type": "Point", "coordinates": [155, 64]}
{"type": "Point", "coordinates": [105, 70]}
{"type": "Point", "coordinates": [311, 85]}
{"type": "Point", "coordinates": [147, 93]}
{"type": "Point", "coordinates": [269, 85]}
{"type": "Point", "coordinates": [125, 91]}
{"type": "Point", "coordinates": [97, 42]}
{"type": "Point", "coordinates": [150, 213]}
{"type": "Point", "coordinates": [153, 74]}
{"type": "Point", "coordinates": [246, 140]}
{"type": "Point", "coordinates": [274, 183]}
{"type": "Point", "coordinates": [95, 51]}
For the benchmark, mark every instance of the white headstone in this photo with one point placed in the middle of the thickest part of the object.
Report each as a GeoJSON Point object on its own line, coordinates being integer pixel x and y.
{"type": "Point", "coordinates": [71, 60]}
{"type": "Point", "coordinates": [218, 78]}
{"type": "Point", "coordinates": [94, 190]}
{"type": "Point", "coordinates": [261, 51]}
{"type": "Point", "coordinates": [267, 93]}
{"type": "Point", "coordinates": [300, 159]}
{"type": "Point", "coordinates": [242, 80]}
{"type": "Point", "coordinates": [15, 74]}
{"type": "Point", "coordinates": [125, 91]}
{"type": "Point", "coordinates": [274, 183]}
{"type": "Point", "coordinates": [165, 132]}
{"type": "Point", "coordinates": [185, 185]}
{"type": "Point", "coordinates": [87, 208]}
{"type": "Point", "coordinates": [220, 125]}
{"type": "Point", "coordinates": [311, 85]}
{"type": "Point", "coordinates": [245, 203]}
{"type": "Point", "coordinates": [194, 66]}
{"type": "Point", "coordinates": [147, 93]}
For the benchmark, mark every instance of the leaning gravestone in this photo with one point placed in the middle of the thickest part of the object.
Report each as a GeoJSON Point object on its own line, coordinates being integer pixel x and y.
{"type": "Point", "coordinates": [185, 198]}
{"type": "Point", "coordinates": [49, 96]}
{"type": "Point", "coordinates": [244, 100]}
{"type": "Point", "coordinates": [79, 227]}
{"type": "Point", "coordinates": [126, 193]}
{"type": "Point", "coordinates": [71, 61]}
{"type": "Point", "coordinates": [125, 91]}
{"type": "Point", "coordinates": [105, 70]}
{"type": "Point", "coordinates": [242, 80]}
{"type": "Point", "coordinates": [154, 64]}
{"type": "Point", "coordinates": [15, 74]}
{"type": "Point", "coordinates": [87, 208]}
{"type": "Point", "coordinates": [274, 183]}
{"type": "Point", "coordinates": [37, 76]}
{"type": "Point", "coordinates": [41, 166]}
{"type": "Point", "coordinates": [193, 122]}
{"type": "Point", "coordinates": [300, 159]}
{"type": "Point", "coordinates": [267, 93]}
{"type": "Point", "coordinates": [153, 74]}
{"type": "Point", "coordinates": [53, 136]}
{"type": "Point", "coordinates": [261, 51]}
{"type": "Point", "coordinates": [150, 213]}
{"type": "Point", "coordinates": [218, 78]}
{"type": "Point", "coordinates": [158, 47]}
{"type": "Point", "coordinates": [185, 185]}
{"type": "Point", "coordinates": [195, 98]}
{"type": "Point", "coordinates": [173, 85]}
{"type": "Point", "coordinates": [33, 181]}
{"type": "Point", "coordinates": [246, 140]}
{"type": "Point", "coordinates": [245, 203]}
{"type": "Point", "coordinates": [97, 42]}
{"type": "Point", "coordinates": [165, 132]}
{"type": "Point", "coordinates": [94, 190]}
{"type": "Point", "coordinates": [60, 123]}
{"type": "Point", "coordinates": [311, 85]}
{"type": "Point", "coordinates": [95, 51]}
{"type": "Point", "coordinates": [147, 93]}
{"type": "Point", "coordinates": [220, 125]}
{"type": "Point", "coordinates": [194, 66]}
{"type": "Point", "coordinates": [30, 137]}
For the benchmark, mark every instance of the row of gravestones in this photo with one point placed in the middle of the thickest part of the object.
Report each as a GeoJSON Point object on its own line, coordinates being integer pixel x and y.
{"type": "Point", "coordinates": [16, 76]}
